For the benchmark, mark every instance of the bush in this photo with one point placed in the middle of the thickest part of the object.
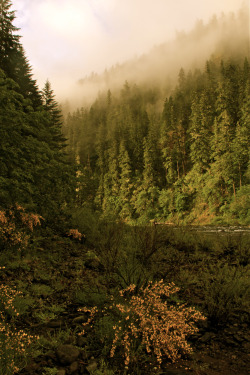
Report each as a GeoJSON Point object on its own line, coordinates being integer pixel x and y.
{"type": "Point", "coordinates": [240, 205]}
{"type": "Point", "coordinates": [13, 343]}
{"type": "Point", "coordinates": [225, 289]}
{"type": "Point", "coordinates": [146, 324]}
{"type": "Point", "coordinates": [15, 227]}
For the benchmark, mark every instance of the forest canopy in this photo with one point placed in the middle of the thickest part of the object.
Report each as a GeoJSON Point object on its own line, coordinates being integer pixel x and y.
{"type": "Point", "coordinates": [188, 161]}
{"type": "Point", "coordinates": [127, 155]}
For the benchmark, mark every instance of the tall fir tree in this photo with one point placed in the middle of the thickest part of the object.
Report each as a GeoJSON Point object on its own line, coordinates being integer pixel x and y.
{"type": "Point", "coordinates": [12, 57]}
{"type": "Point", "coordinates": [55, 117]}
{"type": "Point", "coordinates": [34, 170]}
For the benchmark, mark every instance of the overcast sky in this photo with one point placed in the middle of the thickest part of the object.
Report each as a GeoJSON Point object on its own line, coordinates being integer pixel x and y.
{"type": "Point", "coordinates": [68, 39]}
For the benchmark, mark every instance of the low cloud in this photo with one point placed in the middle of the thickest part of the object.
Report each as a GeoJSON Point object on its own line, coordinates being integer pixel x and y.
{"type": "Point", "coordinates": [66, 40]}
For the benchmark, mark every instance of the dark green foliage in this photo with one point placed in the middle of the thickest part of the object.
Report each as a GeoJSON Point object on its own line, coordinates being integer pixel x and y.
{"type": "Point", "coordinates": [34, 170]}
{"type": "Point", "coordinates": [225, 289]}
{"type": "Point", "coordinates": [12, 57]}
{"type": "Point", "coordinates": [57, 141]}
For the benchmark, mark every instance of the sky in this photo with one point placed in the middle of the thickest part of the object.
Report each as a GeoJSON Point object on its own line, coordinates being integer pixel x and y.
{"type": "Point", "coordinates": [66, 40]}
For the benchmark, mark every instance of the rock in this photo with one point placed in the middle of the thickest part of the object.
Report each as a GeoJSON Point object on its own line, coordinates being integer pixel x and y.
{"type": "Point", "coordinates": [80, 319]}
{"type": "Point", "coordinates": [92, 366]}
{"type": "Point", "coordinates": [81, 341]}
{"type": "Point", "coordinates": [67, 354]}
{"type": "Point", "coordinates": [73, 368]}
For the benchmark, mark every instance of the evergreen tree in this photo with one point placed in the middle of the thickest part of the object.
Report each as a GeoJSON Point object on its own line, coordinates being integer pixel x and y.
{"type": "Point", "coordinates": [221, 145]}
{"type": "Point", "coordinates": [200, 132]}
{"type": "Point", "coordinates": [16, 144]}
{"type": "Point", "coordinates": [125, 183]}
{"type": "Point", "coordinates": [34, 170]}
{"type": "Point", "coordinates": [12, 58]}
{"type": "Point", "coordinates": [111, 181]}
{"type": "Point", "coordinates": [55, 117]}
{"type": "Point", "coordinates": [241, 141]}
{"type": "Point", "coordinates": [169, 143]}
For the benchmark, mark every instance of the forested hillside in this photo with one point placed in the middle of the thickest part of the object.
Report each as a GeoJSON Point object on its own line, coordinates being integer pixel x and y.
{"type": "Point", "coordinates": [224, 36]}
{"type": "Point", "coordinates": [141, 154]}
{"type": "Point", "coordinates": [83, 292]}
{"type": "Point", "coordinates": [185, 162]}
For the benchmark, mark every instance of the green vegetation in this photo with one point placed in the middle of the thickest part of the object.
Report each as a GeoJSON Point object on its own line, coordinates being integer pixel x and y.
{"type": "Point", "coordinates": [34, 170]}
{"type": "Point", "coordinates": [188, 164]}
{"type": "Point", "coordinates": [83, 264]}
{"type": "Point", "coordinates": [83, 294]}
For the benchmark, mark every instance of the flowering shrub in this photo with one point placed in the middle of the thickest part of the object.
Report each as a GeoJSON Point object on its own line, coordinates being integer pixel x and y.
{"type": "Point", "coordinates": [148, 321]}
{"type": "Point", "coordinates": [91, 312]}
{"type": "Point", "coordinates": [13, 343]}
{"type": "Point", "coordinates": [14, 224]}
{"type": "Point", "coordinates": [76, 235]}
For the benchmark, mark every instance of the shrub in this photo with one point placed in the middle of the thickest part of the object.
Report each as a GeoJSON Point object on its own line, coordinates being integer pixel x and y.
{"type": "Point", "coordinates": [226, 289]}
{"type": "Point", "coordinates": [15, 224]}
{"type": "Point", "coordinates": [13, 343]}
{"type": "Point", "coordinates": [76, 235]}
{"type": "Point", "coordinates": [145, 321]}
{"type": "Point", "coordinates": [240, 205]}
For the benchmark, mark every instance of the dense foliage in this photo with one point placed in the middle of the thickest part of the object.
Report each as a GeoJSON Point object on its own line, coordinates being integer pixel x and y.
{"type": "Point", "coordinates": [34, 170]}
{"type": "Point", "coordinates": [190, 161]}
{"type": "Point", "coordinates": [107, 297]}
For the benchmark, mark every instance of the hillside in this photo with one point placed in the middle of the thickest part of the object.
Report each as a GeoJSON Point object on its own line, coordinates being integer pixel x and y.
{"type": "Point", "coordinates": [89, 282]}
{"type": "Point", "coordinates": [165, 146]}
{"type": "Point", "coordinates": [225, 36]}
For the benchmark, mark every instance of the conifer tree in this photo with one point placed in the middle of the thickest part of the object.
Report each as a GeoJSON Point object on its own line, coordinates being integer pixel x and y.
{"type": "Point", "coordinates": [9, 40]}
{"type": "Point", "coordinates": [125, 182]}
{"type": "Point", "coordinates": [34, 170]}
{"type": "Point", "coordinates": [241, 141]}
{"type": "Point", "coordinates": [12, 57]}
{"type": "Point", "coordinates": [221, 145]}
{"type": "Point", "coordinates": [168, 143]}
{"type": "Point", "coordinates": [200, 131]}
{"type": "Point", "coordinates": [50, 105]}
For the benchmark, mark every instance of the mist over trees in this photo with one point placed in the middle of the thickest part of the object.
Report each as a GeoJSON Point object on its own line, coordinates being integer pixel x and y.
{"type": "Point", "coordinates": [187, 160]}
{"type": "Point", "coordinates": [224, 36]}
{"type": "Point", "coordinates": [80, 290]}
{"type": "Point", "coordinates": [162, 146]}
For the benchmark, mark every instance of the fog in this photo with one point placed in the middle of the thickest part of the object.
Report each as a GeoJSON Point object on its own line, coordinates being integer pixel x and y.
{"type": "Point", "coordinates": [72, 42]}
{"type": "Point", "coordinates": [223, 37]}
